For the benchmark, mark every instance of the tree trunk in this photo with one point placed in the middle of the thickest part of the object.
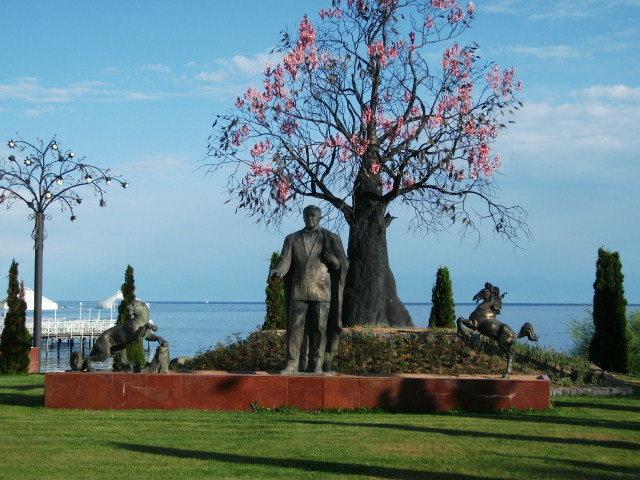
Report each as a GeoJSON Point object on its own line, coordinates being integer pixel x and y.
{"type": "Point", "coordinates": [370, 294]}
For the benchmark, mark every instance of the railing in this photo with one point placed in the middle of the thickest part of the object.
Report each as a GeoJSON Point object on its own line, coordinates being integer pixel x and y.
{"type": "Point", "coordinates": [66, 328]}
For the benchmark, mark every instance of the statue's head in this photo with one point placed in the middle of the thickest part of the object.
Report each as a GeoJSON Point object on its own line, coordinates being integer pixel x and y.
{"type": "Point", "coordinates": [312, 215]}
{"type": "Point", "coordinates": [139, 311]}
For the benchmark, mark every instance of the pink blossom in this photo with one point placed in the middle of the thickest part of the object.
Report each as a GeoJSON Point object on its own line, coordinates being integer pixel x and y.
{"type": "Point", "coordinates": [359, 145]}
{"type": "Point", "coordinates": [416, 111]}
{"type": "Point", "coordinates": [464, 96]}
{"type": "Point", "coordinates": [480, 162]}
{"type": "Point", "coordinates": [330, 13]}
{"type": "Point", "coordinates": [282, 190]}
{"type": "Point", "coordinates": [407, 96]}
{"type": "Point", "coordinates": [493, 78]}
{"type": "Point", "coordinates": [471, 7]}
{"type": "Point", "coordinates": [428, 22]}
{"type": "Point", "coordinates": [260, 148]}
{"type": "Point", "coordinates": [257, 103]}
{"type": "Point", "coordinates": [382, 53]}
{"type": "Point", "coordinates": [335, 141]}
{"type": "Point", "coordinates": [456, 15]}
{"type": "Point", "coordinates": [239, 136]}
{"type": "Point", "coordinates": [305, 51]}
{"type": "Point", "coordinates": [306, 33]}
{"type": "Point", "coordinates": [289, 127]}
{"type": "Point", "coordinates": [367, 115]}
{"type": "Point", "coordinates": [444, 4]}
{"type": "Point", "coordinates": [375, 168]}
{"type": "Point", "coordinates": [290, 104]}
{"type": "Point", "coordinates": [434, 120]}
{"type": "Point", "coordinates": [407, 182]}
{"type": "Point", "coordinates": [239, 102]}
{"type": "Point", "coordinates": [470, 128]}
{"type": "Point", "coordinates": [387, 4]}
{"type": "Point", "coordinates": [260, 170]}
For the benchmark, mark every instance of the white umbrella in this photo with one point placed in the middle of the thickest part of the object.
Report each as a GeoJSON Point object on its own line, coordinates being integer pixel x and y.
{"type": "Point", "coordinates": [107, 303]}
{"type": "Point", "coordinates": [29, 297]}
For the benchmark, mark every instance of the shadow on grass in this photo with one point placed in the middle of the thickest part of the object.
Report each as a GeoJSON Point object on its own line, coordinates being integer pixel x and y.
{"type": "Point", "coordinates": [336, 468]}
{"type": "Point", "coordinates": [603, 406]}
{"type": "Point", "coordinates": [470, 433]}
{"type": "Point", "coordinates": [21, 400]}
{"type": "Point", "coordinates": [618, 469]}
{"type": "Point", "coordinates": [571, 421]}
{"type": "Point", "coordinates": [21, 387]}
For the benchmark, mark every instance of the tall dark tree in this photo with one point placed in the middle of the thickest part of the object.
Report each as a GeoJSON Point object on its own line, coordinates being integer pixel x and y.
{"type": "Point", "coordinates": [443, 310]}
{"type": "Point", "coordinates": [276, 317]}
{"type": "Point", "coordinates": [608, 348]}
{"type": "Point", "coordinates": [135, 352]}
{"type": "Point", "coordinates": [15, 343]}
{"type": "Point", "coordinates": [359, 116]}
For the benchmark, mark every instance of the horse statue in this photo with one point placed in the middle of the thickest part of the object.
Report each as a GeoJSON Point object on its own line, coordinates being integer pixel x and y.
{"type": "Point", "coordinates": [114, 340]}
{"type": "Point", "coordinates": [483, 319]}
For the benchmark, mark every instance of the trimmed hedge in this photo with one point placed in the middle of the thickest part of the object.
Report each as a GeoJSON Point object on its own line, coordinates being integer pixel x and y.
{"type": "Point", "coordinates": [369, 351]}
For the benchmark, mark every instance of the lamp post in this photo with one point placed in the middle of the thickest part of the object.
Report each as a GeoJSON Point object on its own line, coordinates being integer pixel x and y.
{"type": "Point", "coordinates": [41, 177]}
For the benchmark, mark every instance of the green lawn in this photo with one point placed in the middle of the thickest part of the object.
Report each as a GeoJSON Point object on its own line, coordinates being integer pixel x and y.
{"type": "Point", "coordinates": [580, 438]}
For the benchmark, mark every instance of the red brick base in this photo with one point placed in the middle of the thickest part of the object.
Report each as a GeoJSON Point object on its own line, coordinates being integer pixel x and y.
{"type": "Point", "coordinates": [34, 358]}
{"type": "Point", "coordinates": [226, 391]}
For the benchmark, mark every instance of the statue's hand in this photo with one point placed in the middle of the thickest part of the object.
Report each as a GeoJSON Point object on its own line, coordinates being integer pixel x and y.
{"type": "Point", "coordinates": [164, 343]}
{"type": "Point", "coordinates": [330, 259]}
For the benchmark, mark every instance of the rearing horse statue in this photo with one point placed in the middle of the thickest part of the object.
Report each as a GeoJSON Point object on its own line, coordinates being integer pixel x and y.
{"type": "Point", "coordinates": [483, 319]}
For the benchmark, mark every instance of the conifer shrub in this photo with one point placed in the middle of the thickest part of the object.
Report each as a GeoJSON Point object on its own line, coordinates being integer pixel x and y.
{"type": "Point", "coordinates": [15, 342]}
{"type": "Point", "coordinates": [608, 347]}
{"type": "Point", "coordinates": [443, 313]}
{"type": "Point", "coordinates": [135, 352]}
{"type": "Point", "coordinates": [276, 317]}
{"type": "Point", "coordinates": [633, 335]}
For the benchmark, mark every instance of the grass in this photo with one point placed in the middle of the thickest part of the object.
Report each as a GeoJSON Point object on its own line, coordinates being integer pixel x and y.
{"type": "Point", "coordinates": [580, 437]}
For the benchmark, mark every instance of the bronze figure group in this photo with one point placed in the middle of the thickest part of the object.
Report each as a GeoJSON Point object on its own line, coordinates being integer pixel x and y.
{"type": "Point", "coordinates": [483, 320]}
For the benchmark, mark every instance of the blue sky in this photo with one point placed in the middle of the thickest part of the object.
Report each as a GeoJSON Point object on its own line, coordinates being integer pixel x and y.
{"type": "Point", "coordinates": [135, 86]}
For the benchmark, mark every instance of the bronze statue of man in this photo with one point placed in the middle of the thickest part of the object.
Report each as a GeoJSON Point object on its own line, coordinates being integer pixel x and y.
{"type": "Point", "coordinates": [314, 267]}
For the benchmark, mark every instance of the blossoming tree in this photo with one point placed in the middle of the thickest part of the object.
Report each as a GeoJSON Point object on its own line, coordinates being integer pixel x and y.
{"type": "Point", "coordinates": [357, 116]}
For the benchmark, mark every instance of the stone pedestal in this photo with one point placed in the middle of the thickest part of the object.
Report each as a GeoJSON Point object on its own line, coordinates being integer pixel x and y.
{"type": "Point", "coordinates": [228, 391]}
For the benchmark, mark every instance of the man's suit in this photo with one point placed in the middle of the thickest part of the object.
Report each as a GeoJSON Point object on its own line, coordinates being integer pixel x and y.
{"type": "Point", "coordinates": [314, 294]}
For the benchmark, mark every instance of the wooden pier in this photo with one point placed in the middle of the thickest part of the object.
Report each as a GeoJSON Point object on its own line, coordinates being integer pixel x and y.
{"type": "Point", "coordinates": [68, 328]}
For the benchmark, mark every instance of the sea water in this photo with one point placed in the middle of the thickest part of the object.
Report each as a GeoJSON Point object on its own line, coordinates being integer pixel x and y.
{"type": "Point", "coordinates": [191, 327]}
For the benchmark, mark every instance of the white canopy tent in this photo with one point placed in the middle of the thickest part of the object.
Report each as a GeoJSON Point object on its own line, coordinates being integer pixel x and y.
{"type": "Point", "coordinates": [29, 297]}
{"type": "Point", "coordinates": [109, 303]}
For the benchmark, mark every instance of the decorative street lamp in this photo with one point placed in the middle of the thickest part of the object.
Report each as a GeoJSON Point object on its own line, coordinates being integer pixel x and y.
{"type": "Point", "coordinates": [44, 176]}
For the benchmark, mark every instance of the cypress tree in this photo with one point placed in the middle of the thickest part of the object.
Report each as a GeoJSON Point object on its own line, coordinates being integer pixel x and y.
{"type": "Point", "coordinates": [608, 347]}
{"type": "Point", "coordinates": [15, 343]}
{"type": "Point", "coordinates": [443, 312]}
{"type": "Point", "coordinates": [135, 352]}
{"type": "Point", "coordinates": [276, 317]}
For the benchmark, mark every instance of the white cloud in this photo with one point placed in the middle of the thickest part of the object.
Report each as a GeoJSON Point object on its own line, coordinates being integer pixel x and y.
{"type": "Point", "coordinates": [30, 90]}
{"type": "Point", "coordinates": [36, 112]}
{"type": "Point", "coordinates": [612, 92]}
{"type": "Point", "coordinates": [553, 9]}
{"type": "Point", "coordinates": [156, 67]}
{"type": "Point", "coordinates": [229, 69]}
{"type": "Point", "coordinates": [553, 51]}
{"type": "Point", "coordinates": [589, 140]}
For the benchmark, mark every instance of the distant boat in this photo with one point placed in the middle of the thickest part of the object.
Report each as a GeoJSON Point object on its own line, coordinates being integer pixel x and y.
{"type": "Point", "coordinates": [206, 301]}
